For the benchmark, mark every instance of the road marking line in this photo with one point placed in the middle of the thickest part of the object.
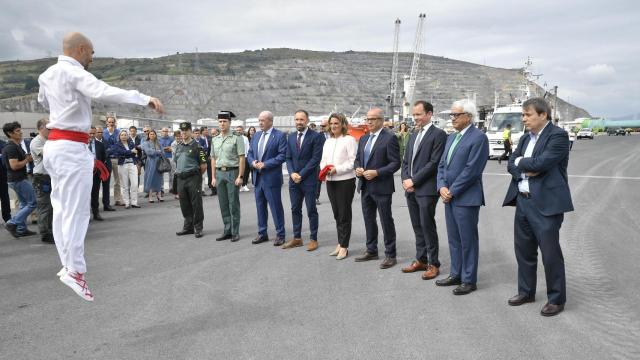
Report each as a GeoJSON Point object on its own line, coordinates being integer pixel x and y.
{"type": "Point", "coordinates": [581, 176]}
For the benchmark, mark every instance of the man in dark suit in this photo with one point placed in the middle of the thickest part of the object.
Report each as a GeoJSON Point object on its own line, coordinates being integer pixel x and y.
{"type": "Point", "coordinates": [4, 187]}
{"type": "Point", "coordinates": [304, 152]}
{"type": "Point", "coordinates": [100, 154]}
{"type": "Point", "coordinates": [539, 190]}
{"type": "Point", "coordinates": [460, 187]}
{"type": "Point", "coordinates": [267, 152]}
{"type": "Point", "coordinates": [205, 142]}
{"type": "Point", "coordinates": [378, 157]}
{"type": "Point", "coordinates": [419, 177]}
{"type": "Point", "coordinates": [106, 195]}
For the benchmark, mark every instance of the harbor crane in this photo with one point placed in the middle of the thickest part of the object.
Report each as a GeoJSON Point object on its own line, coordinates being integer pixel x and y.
{"type": "Point", "coordinates": [410, 80]}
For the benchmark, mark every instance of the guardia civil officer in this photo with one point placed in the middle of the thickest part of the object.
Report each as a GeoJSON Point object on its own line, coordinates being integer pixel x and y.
{"type": "Point", "coordinates": [227, 164]}
{"type": "Point", "coordinates": [191, 163]}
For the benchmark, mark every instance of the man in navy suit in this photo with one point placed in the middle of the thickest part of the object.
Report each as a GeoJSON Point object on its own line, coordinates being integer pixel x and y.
{"type": "Point", "coordinates": [100, 154]}
{"type": "Point", "coordinates": [267, 152]}
{"type": "Point", "coordinates": [460, 186]}
{"type": "Point", "coordinates": [304, 152]}
{"type": "Point", "coordinates": [378, 157]}
{"type": "Point", "coordinates": [539, 190]}
{"type": "Point", "coordinates": [419, 176]}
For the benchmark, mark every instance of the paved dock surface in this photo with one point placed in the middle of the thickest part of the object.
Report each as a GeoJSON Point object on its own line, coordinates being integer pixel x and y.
{"type": "Point", "coordinates": [159, 296]}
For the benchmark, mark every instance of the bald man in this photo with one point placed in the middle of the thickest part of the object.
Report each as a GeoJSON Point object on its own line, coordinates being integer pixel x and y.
{"type": "Point", "coordinates": [66, 90]}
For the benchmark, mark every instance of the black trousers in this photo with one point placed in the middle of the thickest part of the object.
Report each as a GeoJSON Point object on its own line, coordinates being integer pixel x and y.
{"type": "Point", "coordinates": [95, 192]}
{"type": "Point", "coordinates": [245, 175]}
{"type": "Point", "coordinates": [532, 230]}
{"type": "Point", "coordinates": [190, 192]}
{"type": "Point", "coordinates": [341, 196]}
{"type": "Point", "coordinates": [422, 211]}
{"type": "Point", "coordinates": [507, 150]}
{"type": "Point", "coordinates": [106, 196]}
{"type": "Point", "coordinates": [42, 188]}
{"type": "Point", "coordinates": [4, 193]}
{"type": "Point", "coordinates": [382, 204]}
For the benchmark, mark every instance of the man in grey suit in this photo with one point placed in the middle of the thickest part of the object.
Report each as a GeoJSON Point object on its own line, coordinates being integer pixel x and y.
{"type": "Point", "coordinates": [540, 192]}
{"type": "Point", "coordinates": [460, 187]}
{"type": "Point", "coordinates": [419, 177]}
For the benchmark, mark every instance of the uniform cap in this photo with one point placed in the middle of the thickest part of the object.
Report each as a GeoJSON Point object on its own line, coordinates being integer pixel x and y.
{"type": "Point", "coordinates": [185, 126]}
{"type": "Point", "coordinates": [226, 114]}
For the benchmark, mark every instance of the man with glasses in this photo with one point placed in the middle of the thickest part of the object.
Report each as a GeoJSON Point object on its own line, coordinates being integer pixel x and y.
{"type": "Point", "coordinates": [99, 154]}
{"type": "Point", "coordinates": [377, 159]}
{"type": "Point", "coordinates": [460, 187]}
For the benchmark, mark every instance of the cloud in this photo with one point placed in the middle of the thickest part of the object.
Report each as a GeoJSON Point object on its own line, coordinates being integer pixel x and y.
{"type": "Point", "coordinates": [599, 74]}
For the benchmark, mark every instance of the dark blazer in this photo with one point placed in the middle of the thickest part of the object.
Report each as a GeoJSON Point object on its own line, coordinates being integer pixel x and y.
{"type": "Point", "coordinates": [384, 157]}
{"type": "Point", "coordinates": [206, 145]}
{"type": "Point", "coordinates": [463, 175]}
{"type": "Point", "coordinates": [101, 152]}
{"type": "Point", "coordinates": [121, 153]}
{"type": "Point", "coordinates": [550, 158]}
{"type": "Point", "coordinates": [305, 162]}
{"type": "Point", "coordinates": [275, 153]}
{"type": "Point", "coordinates": [425, 165]}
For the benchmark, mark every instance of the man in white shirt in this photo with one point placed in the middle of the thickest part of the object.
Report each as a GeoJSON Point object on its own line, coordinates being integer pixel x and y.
{"type": "Point", "coordinates": [66, 89]}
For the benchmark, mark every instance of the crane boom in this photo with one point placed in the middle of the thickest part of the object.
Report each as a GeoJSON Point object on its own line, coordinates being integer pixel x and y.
{"type": "Point", "coordinates": [394, 67]}
{"type": "Point", "coordinates": [417, 49]}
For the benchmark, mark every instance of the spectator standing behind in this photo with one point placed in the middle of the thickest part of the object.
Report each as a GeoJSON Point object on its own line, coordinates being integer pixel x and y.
{"type": "Point", "coordinates": [245, 174]}
{"type": "Point", "coordinates": [42, 183]}
{"type": "Point", "coordinates": [152, 178]}
{"type": "Point", "coordinates": [16, 160]}
{"type": "Point", "coordinates": [105, 184]}
{"type": "Point", "coordinates": [403, 138]}
{"type": "Point", "coordinates": [506, 140]}
{"type": "Point", "coordinates": [177, 139]}
{"type": "Point", "coordinates": [304, 151]}
{"type": "Point", "coordinates": [339, 152]}
{"type": "Point", "coordinates": [251, 132]}
{"type": "Point", "coordinates": [127, 156]}
{"type": "Point", "coordinates": [99, 154]}
{"type": "Point", "coordinates": [4, 187]}
{"type": "Point", "coordinates": [110, 137]}
{"type": "Point", "coordinates": [460, 186]}
{"type": "Point", "coordinates": [165, 141]}
{"type": "Point", "coordinates": [326, 132]}
{"type": "Point", "coordinates": [377, 159]}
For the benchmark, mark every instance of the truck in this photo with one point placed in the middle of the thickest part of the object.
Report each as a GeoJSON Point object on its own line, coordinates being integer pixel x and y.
{"type": "Point", "coordinates": [501, 117]}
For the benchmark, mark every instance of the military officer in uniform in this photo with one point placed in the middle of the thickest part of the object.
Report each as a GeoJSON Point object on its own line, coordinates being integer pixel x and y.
{"type": "Point", "coordinates": [191, 163]}
{"type": "Point", "coordinates": [227, 164]}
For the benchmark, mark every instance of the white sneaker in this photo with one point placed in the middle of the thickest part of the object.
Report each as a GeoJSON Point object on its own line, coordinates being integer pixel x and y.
{"type": "Point", "coordinates": [245, 188]}
{"type": "Point", "coordinates": [62, 272]}
{"type": "Point", "coordinates": [78, 284]}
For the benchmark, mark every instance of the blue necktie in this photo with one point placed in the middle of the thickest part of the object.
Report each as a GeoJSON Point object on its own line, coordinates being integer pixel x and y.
{"type": "Point", "coordinates": [367, 150]}
{"type": "Point", "coordinates": [261, 145]}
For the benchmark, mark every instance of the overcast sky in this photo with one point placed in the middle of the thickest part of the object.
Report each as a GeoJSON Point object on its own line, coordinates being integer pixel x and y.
{"type": "Point", "coordinates": [590, 49]}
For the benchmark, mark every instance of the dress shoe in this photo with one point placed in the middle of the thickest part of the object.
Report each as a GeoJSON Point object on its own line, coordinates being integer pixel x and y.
{"type": "Point", "coordinates": [184, 232]}
{"type": "Point", "coordinates": [292, 243]}
{"type": "Point", "coordinates": [198, 234]}
{"type": "Point", "coordinates": [48, 238]}
{"type": "Point", "coordinates": [259, 239]}
{"type": "Point", "coordinates": [127, 207]}
{"type": "Point", "coordinates": [388, 262]}
{"type": "Point", "coordinates": [551, 309]}
{"type": "Point", "coordinates": [449, 281]}
{"type": "Point", "coordinates": [336, 251]}
{"type": "Point", "coordinates": [313, 244]}
{"type": "Point", "coordinates": [464, 289]}
{"type": "Point", "coordinates": [235, 238]}
{"type": "Point", "coordinates": [431, 273]}
{"type": "Point", "coordinates": [135, 206]}
{"type": "Point", "coordinates": [521, 299]}
{"type": "Point", "coordinates": [342, 255]}
{"type": "Point", "coordinates": [96, 216]}
{"type": "Point", "coordinates": [119, 203]}
{"type": "Point", "coordinates": [415, 266]}
{"type": "Point", "coordinates": [224, 237]}
{"type": "Point", "coordinates": [27, 232]}
{"type": "Point", "coordinates": [109, 208]}
{"type": "Point", "coordinates": [278, 242]}
{"type": "Point", "coordinates": [366, 257]}
{"type": "Point", "coordinates": [13, 229]}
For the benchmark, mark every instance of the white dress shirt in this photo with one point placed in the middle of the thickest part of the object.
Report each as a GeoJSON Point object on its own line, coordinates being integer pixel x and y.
{"type": "Point", "coordinates": [66, 90]}
{"type": "Point", "coordinates": [304, 134]}
{"type": "Point", "coordinates": [523, 185]}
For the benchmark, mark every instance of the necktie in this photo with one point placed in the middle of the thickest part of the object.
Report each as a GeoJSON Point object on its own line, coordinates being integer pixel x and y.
{"type": "Point", "coordinates": [261, 145]}
{"type": "Point", "coordinates": [453, 146]}
{"type": "Point", "coordinates": [299, 141]}
{"type": "Point", "coordinates": [367, 149]}
{"type": "Point", "coordinates": [416, 145]}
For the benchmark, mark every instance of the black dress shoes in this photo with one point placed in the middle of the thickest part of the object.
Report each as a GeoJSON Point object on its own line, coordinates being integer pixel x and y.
{"type": "Point", "coordinates": [235, 238]}
{"type": "Point", "coordinates": [198, 234]}
{"type": "Point", "coordinates": [366, 257]}
{"type": "Point", "coordinates": [109, 208]}
{"type": "Point", "coordinates": [13, 229]}
{"type": "Point", "coordinates": [464, 289]}
{"type": "Point", "coordinates": [224, 237]}
{"type": "Point", "coordinates": [521, 299]}
{"type": "Point", "coordinates": [259, 239]}
{"type": "Point", "coordinates": [96, 216]}
{"type": "Point", "coordinates": [449, 281]}
{"type": "Point", "coordinates": [184, 232]}
{"type": "Point", "coordinates": [551, 309]}
{"type": "Point", "coordinates": [278, 242]}
{"type": "Point", "coordinates": [48, 238]}
{"type": "Point", "coordinates": [27, 232]}
{"type": "Point", "coordinates": [388, 262]}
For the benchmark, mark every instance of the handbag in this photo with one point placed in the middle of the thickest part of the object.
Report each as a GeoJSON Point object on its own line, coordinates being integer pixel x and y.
{"type": "Point", "coordinates": [163, 164]}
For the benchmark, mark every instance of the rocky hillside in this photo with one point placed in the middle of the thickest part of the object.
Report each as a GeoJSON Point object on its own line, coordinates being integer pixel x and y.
{"type": "Point", "coordinates": [195, 86]}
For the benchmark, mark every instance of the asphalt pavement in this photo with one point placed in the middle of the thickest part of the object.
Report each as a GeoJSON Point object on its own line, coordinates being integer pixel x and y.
{"type": "Point", "coordinates": [159, 296]}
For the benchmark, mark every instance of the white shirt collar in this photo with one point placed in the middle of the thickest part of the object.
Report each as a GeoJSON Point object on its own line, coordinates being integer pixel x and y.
{"type": "Point", "coordinates": [465, 129]}
{"type": "Point", "coordinates": [69, 59]}
{"type": "Point", "coordinates": [537, 136]}
{"type": "Point", "coordinates": [377, 132]}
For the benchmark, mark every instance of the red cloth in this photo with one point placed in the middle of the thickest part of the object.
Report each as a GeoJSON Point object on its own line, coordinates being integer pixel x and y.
{"type": "Point", "coordinates": [101, 168]}
{"type": "Point", "coordinates": [77, 136]}
{"type": "Point", "coordinates": [324, 172]}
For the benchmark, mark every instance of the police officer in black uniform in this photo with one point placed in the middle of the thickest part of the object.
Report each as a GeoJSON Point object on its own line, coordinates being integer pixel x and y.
{"type": "Point", "coordinates": [191, 163]}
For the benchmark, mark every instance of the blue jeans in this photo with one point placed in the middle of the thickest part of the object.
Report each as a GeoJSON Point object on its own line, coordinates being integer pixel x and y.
{"type": "Point", "coordinates": [27, 199]}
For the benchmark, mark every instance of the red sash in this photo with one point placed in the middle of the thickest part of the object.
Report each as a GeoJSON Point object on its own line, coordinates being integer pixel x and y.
{"type": "Point", "coordinates": [77, 136]}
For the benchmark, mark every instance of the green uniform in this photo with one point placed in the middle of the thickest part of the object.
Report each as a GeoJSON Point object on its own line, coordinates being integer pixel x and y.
{"type": "Point", "coordinates": [188, 159]}
{"type": "Point", "coordinates": [226, 150]}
